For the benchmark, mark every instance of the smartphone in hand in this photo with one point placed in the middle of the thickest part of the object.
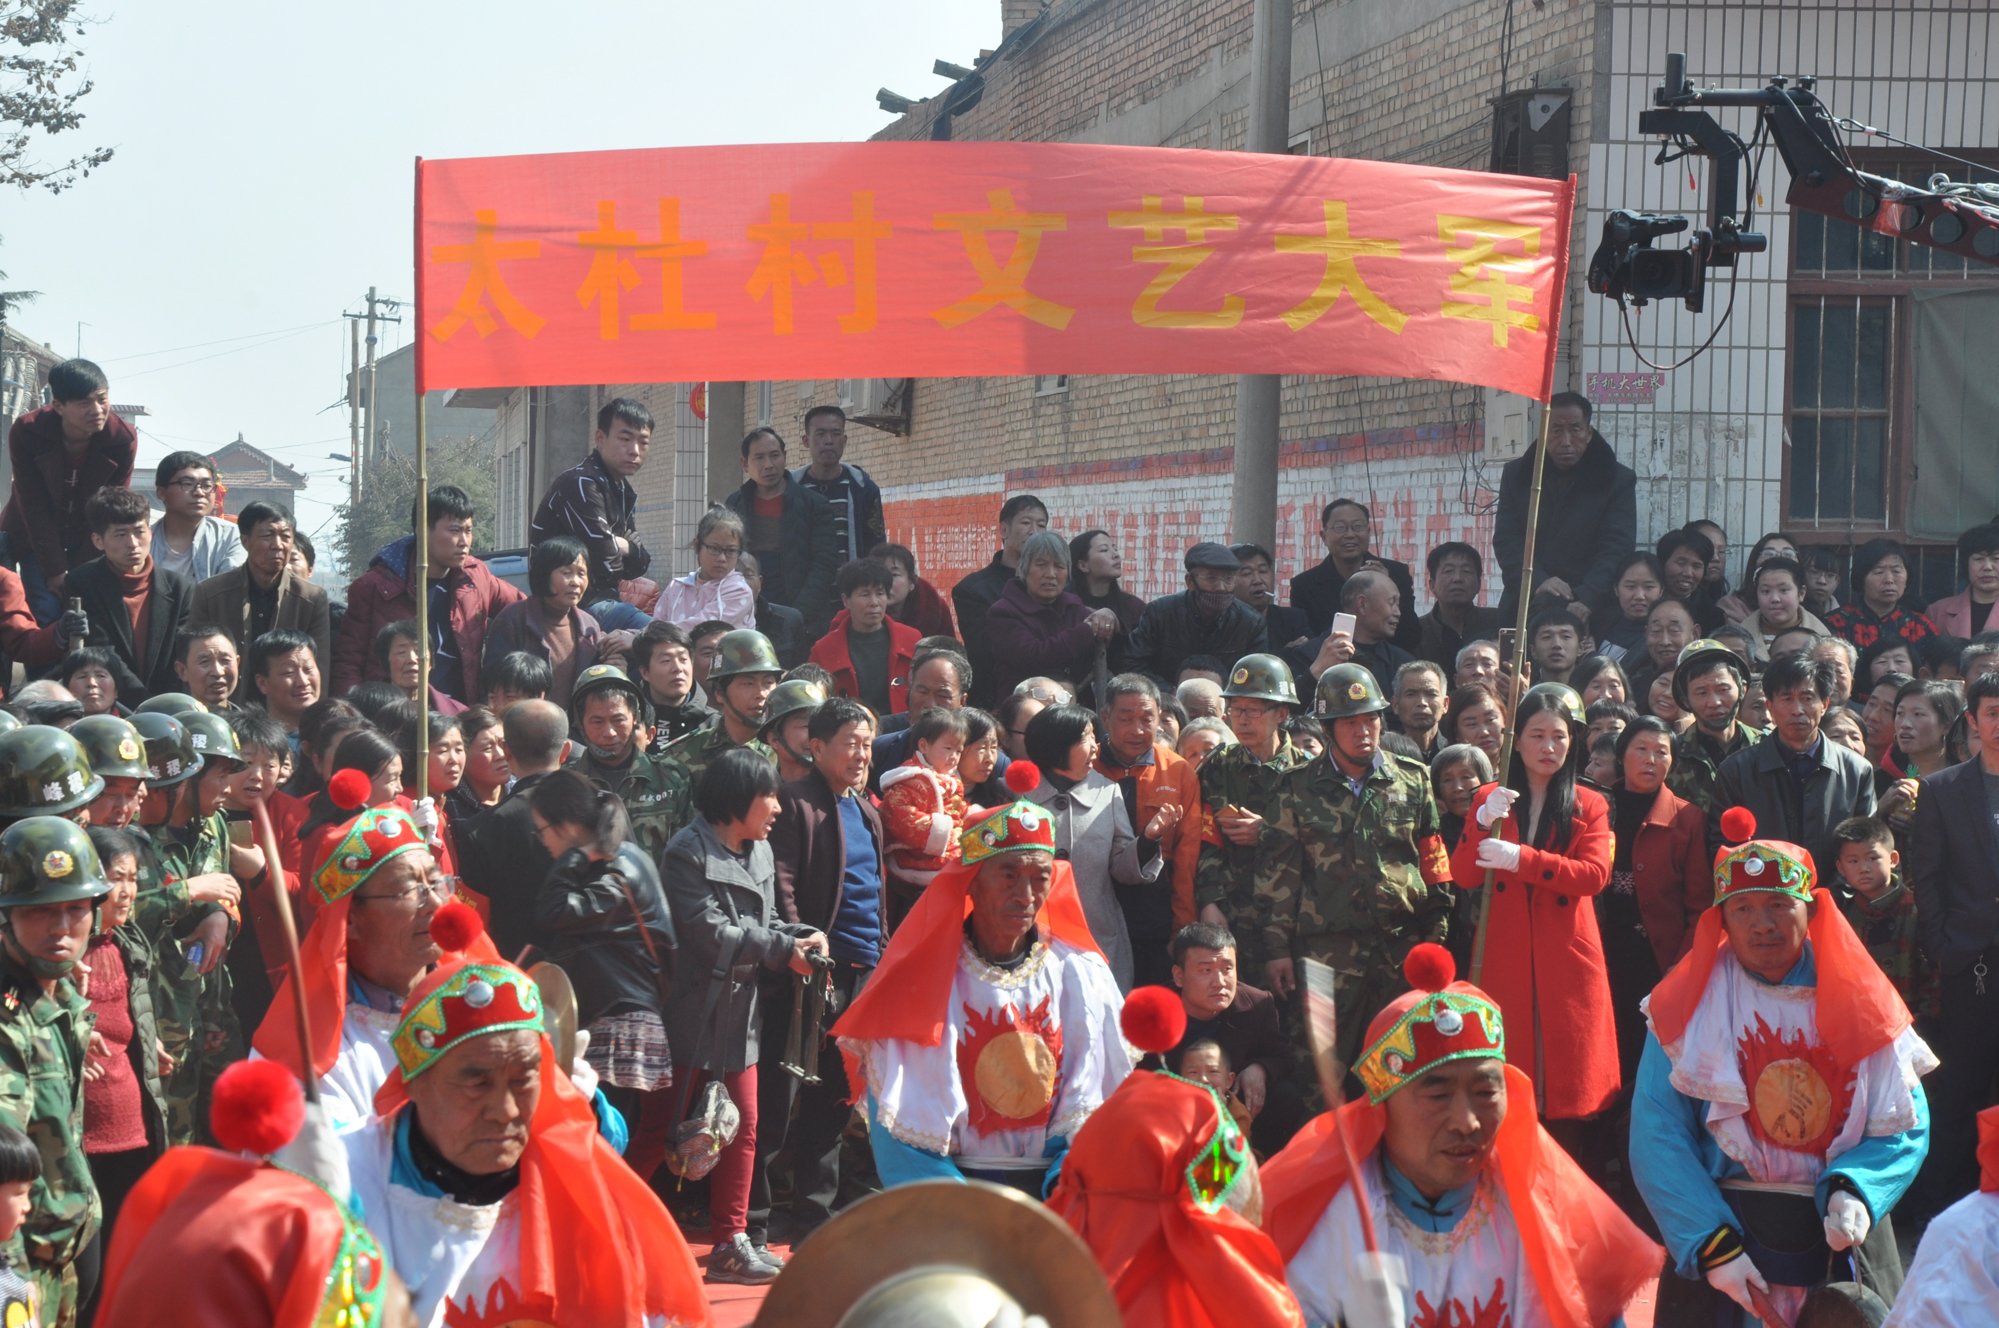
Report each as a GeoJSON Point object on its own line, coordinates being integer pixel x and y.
{"type": "Point", "coordinates": [1343, 622]}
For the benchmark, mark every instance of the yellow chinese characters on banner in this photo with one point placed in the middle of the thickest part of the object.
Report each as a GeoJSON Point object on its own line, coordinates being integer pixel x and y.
{"type": "Point", "coordinates": [945, 259]}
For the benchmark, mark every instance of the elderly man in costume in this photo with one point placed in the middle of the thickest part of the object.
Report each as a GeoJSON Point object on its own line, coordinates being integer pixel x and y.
{"type": "Point", "coordinates": [1162, 1186]}
{"type": "Point", "coordinates": [485, 1179]}
{"type": "Point", "coordinates": [989, 1031]}
{"type": "Point", "coordinates": [1954, 1280]}
{"type": "Point", "coordinates": [1778, 1115]}
{"type": "Point", "coordinates": [1478, 1214]}
{"type": "Point", "coordinates": [271, 1246]}
{"type": "Point", "coordinates": [377, 891]}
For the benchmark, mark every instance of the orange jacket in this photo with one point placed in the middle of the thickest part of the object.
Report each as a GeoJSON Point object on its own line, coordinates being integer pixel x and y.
{"type": "Point", "coordinates": [1170, 778]}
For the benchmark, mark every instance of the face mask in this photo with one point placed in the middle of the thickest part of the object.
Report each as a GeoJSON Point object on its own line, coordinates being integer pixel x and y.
{"type": "Point", "coordinates": [1212, 603]}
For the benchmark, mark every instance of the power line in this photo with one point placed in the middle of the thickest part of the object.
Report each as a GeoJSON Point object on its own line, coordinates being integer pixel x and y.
{"type": "Point", "coordinates": [236, 350]}
{"type": "Point", "coordinates": [219, 341]}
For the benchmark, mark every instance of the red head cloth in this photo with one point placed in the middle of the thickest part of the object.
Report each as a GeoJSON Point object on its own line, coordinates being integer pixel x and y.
{"type": "Point", "coordinates": [596, 1245]}
{"type": "Point", "coordinates": [1988, 1150]}
{"type": "Point", "coordinates": [349, 858]}
{"type": "Point", "coordinates": [271, 1248]}
{"type": "Point", "coordinates": [1859, 1011]}
{"type": "Point", "coordinates": [910, 993]}
{"type": "Point", "coordinates": [1138, 1185]}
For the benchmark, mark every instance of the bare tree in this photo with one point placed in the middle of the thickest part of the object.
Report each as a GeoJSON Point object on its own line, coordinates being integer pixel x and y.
{"type": "Point", "coordinates": [39, 92]}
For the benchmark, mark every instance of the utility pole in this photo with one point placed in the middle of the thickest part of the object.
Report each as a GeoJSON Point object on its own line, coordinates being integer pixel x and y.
{"type": "Point", "coordinates": [1253, 507]}
{"type": "Point", "coordinates": [370, 452]}
{"type": "Point", "coordinates": [353, 416]}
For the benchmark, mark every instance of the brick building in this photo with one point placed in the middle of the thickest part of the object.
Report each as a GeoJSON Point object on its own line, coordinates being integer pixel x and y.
{"type": "Point", "coordinates": [1415, 81]}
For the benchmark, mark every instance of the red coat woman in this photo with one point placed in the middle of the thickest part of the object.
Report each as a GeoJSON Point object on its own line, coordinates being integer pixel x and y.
{"type": "Point", "coordinates": [1544, 958]}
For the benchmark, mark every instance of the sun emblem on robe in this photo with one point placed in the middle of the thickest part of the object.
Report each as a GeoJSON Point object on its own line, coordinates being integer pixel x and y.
{"type": "Point", "coordinates": [504, 1309]}
{"type": "Point", "coordinates": [1798, 1095]}
{"type": "Point", "coordinates": [1008, 1063]}
{"type": "Point", "coordinates": [1493, 1313]}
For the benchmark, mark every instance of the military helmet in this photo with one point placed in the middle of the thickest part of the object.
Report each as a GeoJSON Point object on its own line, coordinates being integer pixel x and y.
{"type": "Point", "coordinates": [213, 737]}
{"type": "Point", "coordinates": [788, 698]}
{"type": "Point", "coordinates": [48, 860]}
{"type": "Point", "coordinates": [43, 772]}
{"type": "Point", "coordinates": [1262, 678]}
{"type": "Point", "coordinates": [114, 747]}
{"type": "Point", "coordinates": [1698, 654]}
{"type": "Point", "coordinates": [170, 753]}
{"type": "Point", "coordinates": [1346, 690]}
{"type": "Point", "coordinates": [9, 721]}
{"type": "Point", "coordinates": [743, 651]}
{"type": "Point", "coordinates": [170, 703]}
{"type": "Point", "coordinates": [1564, 699]}
{"type": "Point", "coordinates": [608, 677]}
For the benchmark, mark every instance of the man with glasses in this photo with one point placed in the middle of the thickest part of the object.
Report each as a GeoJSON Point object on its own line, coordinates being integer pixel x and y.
{"type": "Point", "coordinates": [265, 594]}
{"type": "Point", "coordinates": [1348, 529]}
{"type": "Point", "coordinates": [464, 596]}
{"type": "Point", "coordinates": [189, 538]}
{"type": "Point", "coordinates": [367, 949]}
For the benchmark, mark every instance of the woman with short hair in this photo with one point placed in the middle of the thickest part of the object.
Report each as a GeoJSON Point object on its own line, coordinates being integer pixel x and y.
{"type": "Point", "coordinates": [1038, 626]}
{"type": "Point", "coordinates": [550, 623]}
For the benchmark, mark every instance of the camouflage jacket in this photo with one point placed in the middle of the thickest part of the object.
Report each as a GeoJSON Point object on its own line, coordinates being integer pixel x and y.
{"type": "Point", "coordinates": [1352, 876]}
{"type": "Point", "coordinates": [185, 1001]}
{"type": "Point", "coordinates": [1697, 765]}
{"type": "Point", "coordinates": [656, 791]}
{"type": "Point", "coordinates": [43, 1040]}
{"type": "Point", "coordinates": [1226, 875]}
{"type": "Point", "coordinates": [695, 750]}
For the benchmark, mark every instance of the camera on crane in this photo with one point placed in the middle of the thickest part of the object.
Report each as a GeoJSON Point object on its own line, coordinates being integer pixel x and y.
{"type": "Point", "coordinates": [1627, 267]}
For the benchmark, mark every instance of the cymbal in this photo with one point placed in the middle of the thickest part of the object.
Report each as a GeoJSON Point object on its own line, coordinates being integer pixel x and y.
{"type": "Point", "coordinates": [940, 1253]}
{"type": "Point", "coordinates": [558, 1010]}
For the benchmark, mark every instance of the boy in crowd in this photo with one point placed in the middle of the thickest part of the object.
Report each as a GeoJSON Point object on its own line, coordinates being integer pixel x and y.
{"type": "Point", "coordinates": [517, 676]}
{"type": "Point", "coordinates": [869, 654]}
{"type": "Point", "coordinates": [61, 455]}
{"type": "Point", "coordinates": [1882, 909]}
{"type": "Point", "coordinates": [663, 662]}
{"type": "Point", "coordinates": [205, 661]}
{"type": "Point", "coordinates": [1555, 643]}
{"type": "Point", "coordinates": [283, 670]}
{"type": "Point", "coordinates": [594, 501]}
{"type": "Point", "coordinates": [128, 604]}
{"type": "Point", "coordinates": [189, 538]}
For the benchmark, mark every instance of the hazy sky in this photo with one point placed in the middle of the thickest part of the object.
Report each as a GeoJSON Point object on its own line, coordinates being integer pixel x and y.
{"type": "Point", "coordinates": [264, 162]}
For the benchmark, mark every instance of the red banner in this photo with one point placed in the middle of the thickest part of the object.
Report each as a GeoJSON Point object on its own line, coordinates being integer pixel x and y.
{"type": "Point", "coordinates": [946, 259]}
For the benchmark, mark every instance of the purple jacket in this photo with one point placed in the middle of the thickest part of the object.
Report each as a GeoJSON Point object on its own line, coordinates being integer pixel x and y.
{"type": "Point", "coordinates": [1028, 637]}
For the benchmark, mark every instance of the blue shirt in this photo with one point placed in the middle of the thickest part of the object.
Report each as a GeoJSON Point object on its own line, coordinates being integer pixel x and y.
{"type": "Point", "coordinates": [856, 934]}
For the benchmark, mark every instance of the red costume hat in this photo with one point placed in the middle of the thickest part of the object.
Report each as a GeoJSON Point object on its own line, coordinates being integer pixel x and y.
{"type": "Point", "coordinates": [353, 854]}
{"type": "Point", "coordinates": [1859, 1011]}
{"type": "Point", "coordinates": [1147, 1184]}
{"type": "Point", "coordinates": [1442, 1020]}
{"type": "Point", "coordinates": [596, 1245]}
{"type": "Point", "coordinates": [909, 995]}
{"type": "Point", "coordinates": [272, 1247]}
{"type": "Point", "coordinates": [1586, 1256]}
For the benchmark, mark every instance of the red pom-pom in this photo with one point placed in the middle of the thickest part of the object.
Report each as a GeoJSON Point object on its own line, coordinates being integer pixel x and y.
{"type": "Point", "coordinates": [1154, 1020]}
{"type": "Point", "coordinates": [1430, 967]}
{"type": "Point", "coordinates": [349, 789]}
{"type": "Point", "coordinates": [1738, 825]}
{"type": "Point", "coordinates": [257, 1107]}
{"type": "Point", "coordinates": [1023, 777]}
{"type": "Point", "coordinates": [455, 926]}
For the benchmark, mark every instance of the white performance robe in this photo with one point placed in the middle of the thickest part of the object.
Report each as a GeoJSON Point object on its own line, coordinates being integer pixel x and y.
{"type": "Point", "coordinates": [459, 1261]}
{"type": "Point", "coordinates": [1472, 1276]}
{"type": "Point", "coordinates": [348, 1088]}
{"type": "Point", "coordinates": [1953, 1281]}
{"type": "Point", "coordinates": [1027, 1054]}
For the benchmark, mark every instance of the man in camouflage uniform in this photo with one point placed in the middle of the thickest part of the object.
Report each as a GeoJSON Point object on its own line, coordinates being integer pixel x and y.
{"type": "Point", "coordinates": [1358, 873]}
{"type": "Point", "coordinates": [1239, 785]}
{"type": "Point", "coordinates": [195, 1002]}
{"type": "Point", "coordinates": [50, 887]}
{"type": "Point", "coordinates": [607, 713]}
{"type": "Point", "coordinates": [740, 681]}
{"type": "Point", "coordinates": [1708, 684]}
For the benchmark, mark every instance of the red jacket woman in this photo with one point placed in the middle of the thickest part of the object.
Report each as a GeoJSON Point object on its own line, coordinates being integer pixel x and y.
{"type": "Point", "coordinates": [1544, 958]}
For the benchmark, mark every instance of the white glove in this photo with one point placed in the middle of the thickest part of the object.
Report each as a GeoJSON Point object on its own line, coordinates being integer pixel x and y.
{"type": "Point", "coordinates": [317, 1152]}
{"type": "Point", "coordinates": [1847, 1220]}
{"type": "Point", "coordinates": [1372, 1297]}
{"type": "Point", "coordinates": [581, 1072]}
{"type": "Point", "coordinates": [425, 815]}
{"type": "Point", "coordinates": [1734, 1278]}
{"type": "Point", "coordinates": [1499, 855]}
{"type": "Point", "coordinates": [1498, 805]}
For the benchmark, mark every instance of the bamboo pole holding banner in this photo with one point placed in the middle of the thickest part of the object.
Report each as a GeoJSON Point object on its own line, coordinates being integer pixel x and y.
{"type": "Point", "coordinates": [422, 532]}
